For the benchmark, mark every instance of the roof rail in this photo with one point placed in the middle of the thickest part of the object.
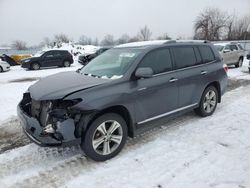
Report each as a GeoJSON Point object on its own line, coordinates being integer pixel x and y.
{"type": "Point", "coordinates": [176, 41]}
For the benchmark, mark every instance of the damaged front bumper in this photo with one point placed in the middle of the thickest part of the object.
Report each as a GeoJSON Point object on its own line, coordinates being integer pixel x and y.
{"type": "Point", "coordinates": [63, 136]}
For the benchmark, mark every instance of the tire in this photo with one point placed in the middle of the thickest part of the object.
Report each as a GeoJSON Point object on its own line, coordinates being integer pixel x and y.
{"type": "Point", "coordinates": [1, 69]}
{"type": "Point", "coordinates": [239, 64]}
{"type": "Point", "coordinates": [105, 147]}
{"type": "Point", "coordinates": [35, 66]}
{"type": "Point", "coordinates": [249, 70]}
{"type": "Point", "coordinates": [66, 63]}
{"type": "Point", "coordinates": [208, 103]}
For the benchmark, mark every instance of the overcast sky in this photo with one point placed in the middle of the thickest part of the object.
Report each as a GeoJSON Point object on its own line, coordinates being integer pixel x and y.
{"type": "Point", "coordinates": [32, 20]}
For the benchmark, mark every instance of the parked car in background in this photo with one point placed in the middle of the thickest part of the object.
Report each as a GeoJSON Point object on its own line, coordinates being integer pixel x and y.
{"type": "Point", "coordinates": [123, 92]}
{"type": "Point", "coordinates": [4, 66]}
{"type": "Point", "coordinates": [9, 60]}
{"type": "Point", "coordinates": [248, 62]}
{"type": "Point", "coordinates": [52, 58]}
{"type": "Point", "coordinates": [85, 58]}
{"type": "Point", "coordinates": [232, 53]}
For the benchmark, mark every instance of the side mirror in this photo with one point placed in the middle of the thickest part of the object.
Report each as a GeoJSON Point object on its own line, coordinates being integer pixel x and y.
{"type": "Point", "coordinates": [226, 51]}
{"type": "Point", "coordinates": [144, 72]}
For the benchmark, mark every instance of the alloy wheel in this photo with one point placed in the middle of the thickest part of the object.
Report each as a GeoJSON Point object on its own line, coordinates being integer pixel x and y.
{"type": "Point", "coordinates": [107, 137]}
{"type": "Point", "coordinates": [210, 101]}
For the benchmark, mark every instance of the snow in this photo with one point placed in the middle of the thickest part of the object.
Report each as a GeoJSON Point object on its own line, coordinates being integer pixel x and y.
{"type": "Point", "coordinates": [189, 151]}
{"type": "Point", "coordinates": [75, 48]}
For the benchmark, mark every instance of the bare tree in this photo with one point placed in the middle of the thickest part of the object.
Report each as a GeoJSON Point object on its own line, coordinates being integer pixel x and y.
{"type": "Point", "coordinates": [47, 42]}
{"type": "Point", "coordinates": [83, 40]}
{"type": "Point", "coordinates": [123, 39]}
{"type": "Point", "coordinates": [59, 38]}
{"type": "Point", "coordinates": [108, 40]}
{"type": "Point", "coordinates": [134, 39]}
{"type": "Point", "coordinates": [238, 29]}
{"type": "Point", "coordinates": [144, 34]}
{"type": "Point", "coordinates": [19, 45]}
{"type": "Point", "coordinates": [164, 37]}
{"type": "Point", "coordinates": [211, 24]}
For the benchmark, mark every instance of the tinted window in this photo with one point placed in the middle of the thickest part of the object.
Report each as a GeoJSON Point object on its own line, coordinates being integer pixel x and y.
{"type": "Point", "coordinates": [198, 56]}
{"type": "Point", "coordinates": [158, 60]}
{"type": "Point", "coordinates": [184, 57]}
{"type": "Point", "coordinates": [233, 47]}
{"type": "Point", "coordinates": [207, 54]}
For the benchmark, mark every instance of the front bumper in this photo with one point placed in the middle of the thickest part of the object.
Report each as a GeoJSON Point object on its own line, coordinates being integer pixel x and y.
{"type": "Point", "coordinates": [25, 65]}
{"type": "Point", "coordinates": [34, 130]}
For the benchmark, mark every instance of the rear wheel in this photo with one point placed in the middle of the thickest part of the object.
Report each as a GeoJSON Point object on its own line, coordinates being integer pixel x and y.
{"type": "Point", "coordinates": [239, 64]}
{"type": "Point", "coordinates": [66, 64]}
{"type": "Point", "coordinates": [1, 69]}
{"type": "Point", "coordinates": [208, 102]}
{"type": "Point", "coordinates": [35, 66]}
{"type": "Point", "coordinates": [105, 137]}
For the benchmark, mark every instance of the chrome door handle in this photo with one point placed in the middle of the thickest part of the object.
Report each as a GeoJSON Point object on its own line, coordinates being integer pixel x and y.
{"type": "Point", "coordinates": [203, 72]}
{"type": "Point", "coordinates": [173, 80]}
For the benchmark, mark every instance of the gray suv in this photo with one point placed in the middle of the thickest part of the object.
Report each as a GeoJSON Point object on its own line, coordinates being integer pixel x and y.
{"type": "Point", "coordinates": [123, 92]}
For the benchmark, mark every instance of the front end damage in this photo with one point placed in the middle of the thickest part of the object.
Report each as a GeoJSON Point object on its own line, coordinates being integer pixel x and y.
{"type": "Point", "coordinates": [49, 123]}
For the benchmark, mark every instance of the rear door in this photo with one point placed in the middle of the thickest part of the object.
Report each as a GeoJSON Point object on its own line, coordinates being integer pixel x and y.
{"type": "Point", "coordinates": [235, 53]}
{"type": "Point", "coordinates": [188, 65]}
{"type": "Point", "coordinates": [51, 58]}
{"type": "Point", "coordinates": [157, 95]}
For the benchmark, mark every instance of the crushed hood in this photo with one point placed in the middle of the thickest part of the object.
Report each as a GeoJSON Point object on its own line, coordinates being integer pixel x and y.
{"type": "Point", "coordinates": [59, 85]}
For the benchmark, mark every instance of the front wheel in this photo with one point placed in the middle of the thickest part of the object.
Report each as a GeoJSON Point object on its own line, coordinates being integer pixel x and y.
{"type": "Point", "coordinates": [66, 64]}
{"type": "Point", "coordinates": [105, 137]}
{"type": "Point", "coordinates": [1, 69]}
{"type": "Point", "coordinates": [208, 102]}
{"type": "Point", "coordinates": [35, 66]}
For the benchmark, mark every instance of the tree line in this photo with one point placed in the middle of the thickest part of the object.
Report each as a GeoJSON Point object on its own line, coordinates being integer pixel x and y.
{"type": "Point", "coordinates": [211, 24]}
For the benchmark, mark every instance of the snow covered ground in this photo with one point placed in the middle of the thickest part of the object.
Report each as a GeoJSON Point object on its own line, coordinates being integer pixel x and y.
{"type": "Point", "coordinates": [187, 152]}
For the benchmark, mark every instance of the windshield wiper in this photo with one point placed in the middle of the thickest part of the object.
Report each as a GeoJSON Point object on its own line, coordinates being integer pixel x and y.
{"type": "Point", "coordinates": [95, 76]}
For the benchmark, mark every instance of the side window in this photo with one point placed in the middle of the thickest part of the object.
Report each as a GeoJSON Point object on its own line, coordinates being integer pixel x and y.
{"type": "Point", "coordinates": [158, 60]}
{"type": "Point", "coordinates": [184, 57]}
{"type": "Point", "coordinates": [207, 54]}
{"type": "Point", "coordinates": [48, 54]}
{"type": "Point", "coordinates": [227, 47]}
{"type": "Point", "coordinates": [198, 56]}
{"type": "Point", "coordinates": [233, 47]}
{"type": "Point", "coordinates": [240, 47]}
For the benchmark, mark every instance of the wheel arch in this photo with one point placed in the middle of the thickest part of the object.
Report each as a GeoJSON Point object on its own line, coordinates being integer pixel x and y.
{"type": "Point", "coordinates": [118, 109]}
{"type": "Point", "coordinates": [216, 84]}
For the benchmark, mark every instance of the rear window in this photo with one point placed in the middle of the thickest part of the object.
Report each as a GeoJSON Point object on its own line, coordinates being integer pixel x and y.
{"type": "Point", "coordinates": [184, 57]}
{"type": "Point", "coordinates": [206, 54]}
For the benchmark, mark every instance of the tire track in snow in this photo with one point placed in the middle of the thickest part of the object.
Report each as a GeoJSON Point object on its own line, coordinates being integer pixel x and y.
{"type": "Point", "coordinates": [58, 174]}
{"type": "Point", "coordinates": [11, 135]}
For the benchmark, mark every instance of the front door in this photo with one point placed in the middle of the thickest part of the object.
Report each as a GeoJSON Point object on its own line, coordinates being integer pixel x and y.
{"type": "Point", "coordinates": [156, 96]}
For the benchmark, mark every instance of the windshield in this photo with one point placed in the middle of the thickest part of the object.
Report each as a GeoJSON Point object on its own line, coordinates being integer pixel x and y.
{"type": "Point", "coordinates": [219, 47]}
{"type": "Point", "coordinates": [111, 64]}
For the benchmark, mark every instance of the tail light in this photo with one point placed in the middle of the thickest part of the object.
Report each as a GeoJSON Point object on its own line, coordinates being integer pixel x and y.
{"type": "Point", "coordinates": [225, 68]}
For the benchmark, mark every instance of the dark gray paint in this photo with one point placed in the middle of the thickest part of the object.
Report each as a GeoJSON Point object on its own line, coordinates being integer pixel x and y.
{"type": "Point", "coordinates": [166, 93]}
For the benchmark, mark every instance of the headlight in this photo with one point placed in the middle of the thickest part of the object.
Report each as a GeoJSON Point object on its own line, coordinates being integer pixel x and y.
{"type": "Point", "coordinates": [26, 61]}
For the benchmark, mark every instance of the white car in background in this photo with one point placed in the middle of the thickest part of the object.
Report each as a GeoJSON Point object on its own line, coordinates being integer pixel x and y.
{"type": "Point", "coordinates": [4, 66]}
